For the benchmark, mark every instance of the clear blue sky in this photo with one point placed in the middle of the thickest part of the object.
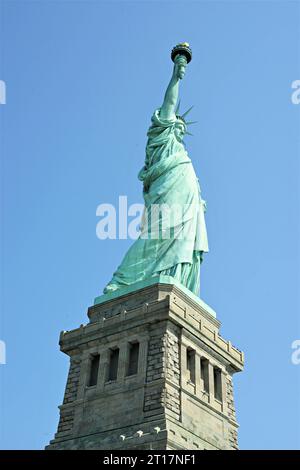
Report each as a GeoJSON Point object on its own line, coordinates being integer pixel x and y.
{"type": "Point", "coordinates": [83, 78]}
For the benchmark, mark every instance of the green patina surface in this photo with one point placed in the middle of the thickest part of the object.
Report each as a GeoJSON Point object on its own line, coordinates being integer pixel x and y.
{"type": "Point", "coordinates": [173, 240]}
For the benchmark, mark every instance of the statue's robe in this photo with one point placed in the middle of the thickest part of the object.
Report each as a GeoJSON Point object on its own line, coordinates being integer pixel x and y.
{"type": "Point", "coordinates": [173, 243]}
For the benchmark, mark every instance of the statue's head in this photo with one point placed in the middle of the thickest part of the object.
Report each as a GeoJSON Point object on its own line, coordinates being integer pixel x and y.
{"type": "Point", "coordinates": [180, 128]}
{"type": "Point", "coordinates": [181, 124]}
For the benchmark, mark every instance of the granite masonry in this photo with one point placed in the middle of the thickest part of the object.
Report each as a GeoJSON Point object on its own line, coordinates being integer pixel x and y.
{"type": "Point", "coordinates": [149, 371]}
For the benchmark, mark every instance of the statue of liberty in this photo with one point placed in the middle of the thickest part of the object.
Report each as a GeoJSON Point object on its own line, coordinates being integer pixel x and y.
{"type": "Point", "coordinates": [173, 233]}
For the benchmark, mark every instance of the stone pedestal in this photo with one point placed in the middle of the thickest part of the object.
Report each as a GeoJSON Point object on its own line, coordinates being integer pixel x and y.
{"type": "Point", "coordinates": [149, 371]}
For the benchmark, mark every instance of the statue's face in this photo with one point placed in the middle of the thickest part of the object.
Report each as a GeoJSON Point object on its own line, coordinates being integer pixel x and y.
{"type": "Point", "coordinates": [179, 131]}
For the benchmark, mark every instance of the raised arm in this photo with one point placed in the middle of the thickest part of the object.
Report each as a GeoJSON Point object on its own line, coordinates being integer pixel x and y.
{"type": "Point", "coordinates": [167, 110]}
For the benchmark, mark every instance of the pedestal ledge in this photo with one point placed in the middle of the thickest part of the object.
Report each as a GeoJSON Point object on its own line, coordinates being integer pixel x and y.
{"type": "Point", "coordinates": [168, 280]}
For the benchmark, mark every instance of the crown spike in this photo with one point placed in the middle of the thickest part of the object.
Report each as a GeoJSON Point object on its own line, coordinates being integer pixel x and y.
{"type": "Point", "coordinates": [184, 114]}
{"type": "Point", "coordinates": [188, 133]}
{"type": "Point", "coordinates": [191, 122]}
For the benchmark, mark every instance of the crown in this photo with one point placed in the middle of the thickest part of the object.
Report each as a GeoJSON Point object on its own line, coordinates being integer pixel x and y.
{"type": "Point", "coordinates": [181, 117]}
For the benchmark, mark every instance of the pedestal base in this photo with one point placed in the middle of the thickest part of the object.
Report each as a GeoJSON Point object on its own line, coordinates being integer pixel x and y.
{"type": "Point", "coordinates": [149, 371]}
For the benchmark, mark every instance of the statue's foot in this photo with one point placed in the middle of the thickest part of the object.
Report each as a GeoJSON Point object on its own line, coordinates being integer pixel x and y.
{"type": "Point", "coordinates": [110, 288]}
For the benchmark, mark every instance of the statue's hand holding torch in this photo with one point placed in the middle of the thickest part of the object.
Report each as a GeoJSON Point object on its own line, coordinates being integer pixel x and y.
{"type": "Point", "coordinates": [180, 64]}
{"type": "Point", "coordinates": [181, 56]}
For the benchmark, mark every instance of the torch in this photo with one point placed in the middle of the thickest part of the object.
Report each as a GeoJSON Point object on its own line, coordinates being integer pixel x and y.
{"type": "Point", "coordinates": [183, 48]}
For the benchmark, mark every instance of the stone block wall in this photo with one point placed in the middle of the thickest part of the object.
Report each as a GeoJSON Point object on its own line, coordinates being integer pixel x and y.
{"type": "Point", "coordinates": [164, 405]}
